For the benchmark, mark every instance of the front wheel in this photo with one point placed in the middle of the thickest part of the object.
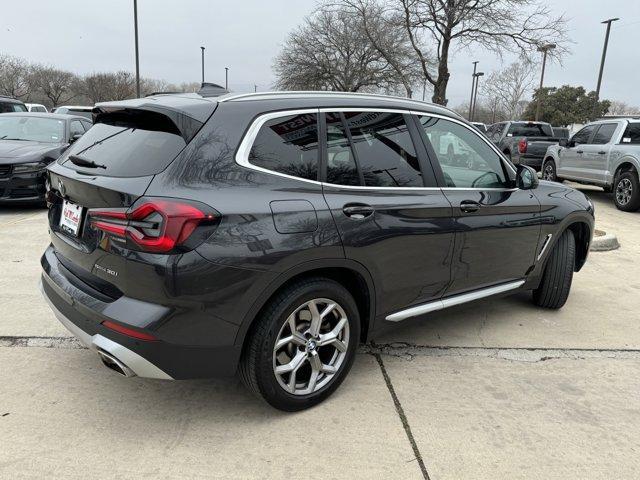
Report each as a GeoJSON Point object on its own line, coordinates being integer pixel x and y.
{"type": "Point", "coordinates": [558, 274]}
{"type": "Point", "coordinates": [549, 171]}
{"type": "Point", "coordinates": [303, 345]}
{"type": "Point", "coordinates": [626, 192]}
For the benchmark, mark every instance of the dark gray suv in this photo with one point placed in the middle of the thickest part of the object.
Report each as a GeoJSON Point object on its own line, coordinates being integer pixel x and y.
{"type": "Point", "coordinates": [269, 234]}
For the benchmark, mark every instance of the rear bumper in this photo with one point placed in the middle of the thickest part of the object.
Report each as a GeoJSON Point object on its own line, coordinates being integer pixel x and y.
{"type": "Point", "coordinates": [534, 162]}
{"type": "Point", "coordinates": [23, 188]}
{"type": "Point", "coordinates": [82, 314]}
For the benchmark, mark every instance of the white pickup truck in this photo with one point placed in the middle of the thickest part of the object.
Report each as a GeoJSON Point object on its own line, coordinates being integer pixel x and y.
{"type": "Point", "coordinates": [604, 153]}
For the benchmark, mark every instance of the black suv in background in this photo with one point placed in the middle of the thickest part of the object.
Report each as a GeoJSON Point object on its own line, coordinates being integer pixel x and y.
{"type": "Point", "coordinates": [269, 234]}
{"type": "Point", "coordinates": [10, 104]}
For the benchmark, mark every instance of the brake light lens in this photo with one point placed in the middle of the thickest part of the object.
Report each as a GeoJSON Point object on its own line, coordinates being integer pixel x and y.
{"type": "Point", "coordinates": [129, 332]}
{"type": "Point", "coordinates": [154, 225]}
{"type": "Point", "coordinates": [522, 145]}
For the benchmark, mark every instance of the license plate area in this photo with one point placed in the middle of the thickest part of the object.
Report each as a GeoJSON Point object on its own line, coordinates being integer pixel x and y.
{"type": "Point", "coordinates": [70, 218]}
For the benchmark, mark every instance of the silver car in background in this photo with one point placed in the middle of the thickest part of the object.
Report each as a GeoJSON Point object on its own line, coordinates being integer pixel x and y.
{"type": "Point", "coordinates": [605, 153]}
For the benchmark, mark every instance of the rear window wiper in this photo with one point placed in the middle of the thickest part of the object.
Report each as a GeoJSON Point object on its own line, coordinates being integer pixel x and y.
{"type": "Point", "coordinates": [83, 162]}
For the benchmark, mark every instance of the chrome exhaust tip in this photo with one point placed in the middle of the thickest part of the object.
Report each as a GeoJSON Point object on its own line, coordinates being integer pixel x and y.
{"type": "Point", "coordinates": [114, 364]}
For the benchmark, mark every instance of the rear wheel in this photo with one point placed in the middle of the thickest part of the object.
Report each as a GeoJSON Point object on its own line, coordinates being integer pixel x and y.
{"type": "Point", "coordinates": [303, 345]}
{"type": "Point", "coordinates": [558, 274]}
{"type": "Point", "coordinates": [626, 191]}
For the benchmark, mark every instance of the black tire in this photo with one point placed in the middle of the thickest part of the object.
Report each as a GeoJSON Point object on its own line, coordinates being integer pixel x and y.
{"type": "Point", "coordinates": [549, 170]}
{"type": "Point", "coordinates": [558, 274]}
{"type": "Point", "coordinates": [626, 191]}
{"type": "Point", "coordinates": [258, 363]}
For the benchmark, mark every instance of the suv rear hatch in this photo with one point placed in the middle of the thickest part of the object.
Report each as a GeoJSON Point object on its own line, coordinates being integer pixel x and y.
{"type": "Point", "coordinates": [99, 218]}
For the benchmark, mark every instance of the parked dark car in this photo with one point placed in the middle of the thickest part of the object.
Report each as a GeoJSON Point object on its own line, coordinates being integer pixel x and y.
{"type": "Point", "coordinates": [28, 143]}
{"type": "Point", "coordinates": [10, 104]}
{"type": "Point", "coordinates": [525, 143]}
{"type": "Point", "coordinates": [269, 234]}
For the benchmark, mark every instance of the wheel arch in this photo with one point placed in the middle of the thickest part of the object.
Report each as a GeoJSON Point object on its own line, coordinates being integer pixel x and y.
{"type": "Point", "coordinates": [626, 165]}
{"type": "Point", "coordinates": [350, 274]}
{"type": "Point", "coordinates": [582, 234]}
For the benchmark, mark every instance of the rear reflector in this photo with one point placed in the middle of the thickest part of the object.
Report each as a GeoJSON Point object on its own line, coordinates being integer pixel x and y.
{"type": "Point", "coordinates": [129, 332]}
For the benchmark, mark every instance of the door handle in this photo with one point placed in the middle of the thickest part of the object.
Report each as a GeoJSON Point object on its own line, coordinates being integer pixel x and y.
{"type": "Point", "coordinates": [358, 211]}
{"type": "Point", "coordinates": [579, 151]}
{"type": "Point", "coordinates": [469, 206]}
{"type": "Point", "coordinates": [601, 152]}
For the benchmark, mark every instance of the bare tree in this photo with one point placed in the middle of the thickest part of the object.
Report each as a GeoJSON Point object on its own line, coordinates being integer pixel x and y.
{"type": "Point", "coordinates": [330, 51]}
{"type": "Point", "coordinates": [622, 108]}
{"type": "Point", "coordinates": [438, 28]}
{"type": "Point", "coordinates": [506, 89]}
{"type": "Point", "coordinates": [100, 87]}
{"type": "Point", "coordinates": [14, 76]}
{"type": "Point", "coordinates": [56, 85]}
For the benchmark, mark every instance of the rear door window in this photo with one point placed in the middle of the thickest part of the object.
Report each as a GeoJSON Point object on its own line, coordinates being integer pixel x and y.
{"type": "Point", "coordinates": [341, 164]}
{"type": "Point", "coordinates": [604, 133]}
{"type": "Point", "coordinates": [127, 144]}
{"type": "Point", "coordinates": [632, 134]}
{"type": "Point", "coordinates": [288, 145]}
{"type": "Point", "coordinates": [75, 128]}
{"type": "Point", "coordinates": [384, 149]}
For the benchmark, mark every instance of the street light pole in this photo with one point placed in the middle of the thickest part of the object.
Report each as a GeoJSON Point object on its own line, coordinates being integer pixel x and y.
{"type": "Point", "coordinates": [226, 78]}
{"type": "Point", "coordinates": [475, 94]}
{"type": "Point", "coordinates": [135, 27]}
{"type": "Point", "coordinates": [202, 48]}
{"type": "Point", "coordinates": [473, 82]}
{"type": "Point", "coordinates": [544, 49]}
{"type": "Point", "coordinates": [604, 55]}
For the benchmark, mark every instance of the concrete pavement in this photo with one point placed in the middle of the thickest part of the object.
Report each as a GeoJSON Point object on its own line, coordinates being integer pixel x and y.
{"type": "Point", "coordinates": [496, 389]}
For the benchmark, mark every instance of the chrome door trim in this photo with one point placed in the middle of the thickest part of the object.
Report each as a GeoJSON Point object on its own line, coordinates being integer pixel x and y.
{"type": "Point", "coordinates": [454, 300]}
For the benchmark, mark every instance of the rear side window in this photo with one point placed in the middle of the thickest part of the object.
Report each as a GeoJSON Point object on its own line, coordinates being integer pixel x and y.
{"type": "Point", "coordinates": [384, 149]}
{"type": "Point", "coordinates": [12, 107]}
{"type": "Point", "coordinates": [604, 133]}
{"type": "Point", "coordinates": [127, 144]}
{"type": "Point", "coordinates": [288, 145]}
{"type": "Point", "coordinates": [632, 134]}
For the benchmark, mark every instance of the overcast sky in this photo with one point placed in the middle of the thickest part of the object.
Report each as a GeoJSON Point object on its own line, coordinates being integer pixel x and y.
{"type": "Point", "coordinates": [91, 35]}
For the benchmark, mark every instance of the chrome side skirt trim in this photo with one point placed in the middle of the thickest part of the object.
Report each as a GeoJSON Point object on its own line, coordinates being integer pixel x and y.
{"type": "Point", "coordinates": [451, 301]}
{"type": "Point", "coordinates": [546, 243]}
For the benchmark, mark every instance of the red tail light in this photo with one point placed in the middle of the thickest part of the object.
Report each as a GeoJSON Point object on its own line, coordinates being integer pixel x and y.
{"type": "Point", "coordinates": [129, 332]}
{"type": "Point", "coordinates": [522, 145]}
{"type": "Point", "coordinates": [153, 225]}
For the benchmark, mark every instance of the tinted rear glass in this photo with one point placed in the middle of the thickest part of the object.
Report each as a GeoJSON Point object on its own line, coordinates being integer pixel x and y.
{"type": "Point", "coordinates": [384, 149]}
{"type": "Point", "coordinates": [12, 107]}
{"type": "Point", "coordinates": [530, 130]}
{"type": "Point", "coordinates": [288, 145]}
{"type": "Point", "coordinates": [632, 134]}
{"type": "Point", "coordinates": [127, 145]}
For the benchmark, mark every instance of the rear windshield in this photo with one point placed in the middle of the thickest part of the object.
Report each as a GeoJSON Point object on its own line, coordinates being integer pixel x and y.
{"type": "Point", "coordinates": [126, 145]}
{"type": "Point", "coordinates": [530, 130]}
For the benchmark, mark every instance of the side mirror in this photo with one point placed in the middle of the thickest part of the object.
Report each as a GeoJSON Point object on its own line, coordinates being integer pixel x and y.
{"type": "Point", "coordinates": [75, 137]}
{"type": "Point", "coordinates": [526, 178]}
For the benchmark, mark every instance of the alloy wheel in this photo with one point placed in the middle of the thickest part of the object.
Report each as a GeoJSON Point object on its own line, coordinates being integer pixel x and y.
{"type": "Point", "coordinates": [311, 346]}
{"type": "Point", "coordinates": [624, 191]}
{"type": "Point", "coordinates": [549, 172]}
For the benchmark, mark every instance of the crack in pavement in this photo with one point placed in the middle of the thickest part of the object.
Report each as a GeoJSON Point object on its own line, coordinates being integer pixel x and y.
{"type": "Point", "coordinates": [408, 351]}
{"type": "Point", "coordinates": [402, 350]}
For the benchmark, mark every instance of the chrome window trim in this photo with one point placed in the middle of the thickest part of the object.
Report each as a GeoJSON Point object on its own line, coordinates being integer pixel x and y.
{"type": "Point", "coordinates": [451, 301]}
{"type": "Point", "coordinates": [242, 154]}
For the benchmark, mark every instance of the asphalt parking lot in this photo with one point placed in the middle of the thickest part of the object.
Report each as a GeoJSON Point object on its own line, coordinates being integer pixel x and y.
{"type": "Point", "coordinates": [493, 389]}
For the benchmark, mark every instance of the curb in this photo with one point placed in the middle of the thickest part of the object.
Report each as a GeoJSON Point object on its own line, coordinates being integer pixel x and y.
{"type": "Point", "coordinates": [604, 243]}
